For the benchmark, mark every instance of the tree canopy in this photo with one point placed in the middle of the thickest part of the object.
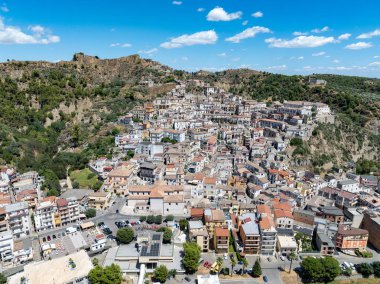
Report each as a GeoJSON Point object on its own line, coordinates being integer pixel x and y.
{"type": "Point", "coordinates": [319, 269]}
{"type": "Point", "coordinates": [161, 273]}
{"type": "Point", "coordinates": [105, 275]}
{"type": "Point", "coordinates": [125, 235]}
{"type": "Point", "coordinates": [167, 238]}
{"type": "Point", "coordinates": [256, 269]}
{"type": "Point", "coordinates": [192, 255]}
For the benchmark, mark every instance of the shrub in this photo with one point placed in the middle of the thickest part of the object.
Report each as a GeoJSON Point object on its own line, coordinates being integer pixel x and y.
{"type": "Point", "coordinates": [125, 235]}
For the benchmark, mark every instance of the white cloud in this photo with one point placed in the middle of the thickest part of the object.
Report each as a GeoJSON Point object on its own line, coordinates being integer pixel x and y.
{"type": "Point", "coordinates": [14, 35]}
{"type": "Point", "coordinates": [323, 30]}
{"type": "Point", "coordinates": [184, 58]}
{"type": "Point", "coordinates": [374, 64]}
{"type": "Point", "coordinates": [4, 8]}
{"type": "Point", "coordinates": [120, 44]}
{"type": "Point", "coordinates": [277, 67]}
{"type": "Point", "coordinates": [336, 61]}
{"type": "Point", "coordinates": [177, 2]}
{"type": "Point", "coordinates": [149, 51]}
{"type": "Point", "coordinates": [319, 53]}
{"type": "Point", "coordinates": [258, 14]}
{"type": "Point", "coordinates": [37, 29]}
{"type": "Point", "coordinates": [244, 23]}
{"type": "Point", "coordinates": [301, 58]}
{"type": "Point", "coordinates": [370, 34]}
{"type": "Point", "coordinates": [200, 9]}
{"type": "Point", "coordinates": [300, 42]}
{"type": "Point", "coordinates": [248, 33]}
{"type": "Point", "coordinates": [376, 56]}
{"type": "Point", "coordinates": [218, 14]}
{"type": "Point", "coordinates": [344, 36]}
{"type": "Point", "coordinates": [223, 54]}
{"type": "Point", "coordinates": [299, 33]}
{"type": "Point", "coordinates": [359, 45]}
{"type": "Point", "coordinates": [204, 37]}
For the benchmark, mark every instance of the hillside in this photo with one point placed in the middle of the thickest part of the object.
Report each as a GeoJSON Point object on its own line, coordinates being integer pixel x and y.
{"type": "Point", "coordinates": [55, 115]}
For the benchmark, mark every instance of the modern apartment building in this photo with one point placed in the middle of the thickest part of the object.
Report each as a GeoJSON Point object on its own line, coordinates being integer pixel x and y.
{"type": "Point", "coordinates": [221, 240]}
{"type": "Point", "coordinates": [18, 219]}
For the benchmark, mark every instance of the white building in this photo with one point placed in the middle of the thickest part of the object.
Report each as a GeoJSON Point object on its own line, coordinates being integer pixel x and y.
{"type": "Point", "coordinates": [349, 185]}
{"type": "Point", "coordinates": [18, 218]}
{"type": "Point", "coordinates": [286, 245]}
{"type": "Point", "coordinates": [6, 245]}
{"type": "Point", "coordinates": [44, 215]}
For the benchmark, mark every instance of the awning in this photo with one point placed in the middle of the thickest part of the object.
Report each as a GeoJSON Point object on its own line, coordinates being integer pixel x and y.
{"type": "Point", "coordinates": [87, 225]}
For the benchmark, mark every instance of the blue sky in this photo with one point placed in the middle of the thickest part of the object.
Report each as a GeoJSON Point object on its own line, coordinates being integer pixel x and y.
{"type": "Point", "coordinates": [280, 36]}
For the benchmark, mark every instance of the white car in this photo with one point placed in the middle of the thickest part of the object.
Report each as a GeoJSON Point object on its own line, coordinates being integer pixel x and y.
{"type": "Point", "coordinates": [225, 256]}
{"type": "Point", "coordinates": [282, 258]}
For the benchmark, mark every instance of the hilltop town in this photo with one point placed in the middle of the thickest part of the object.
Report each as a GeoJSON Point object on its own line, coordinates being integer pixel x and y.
{"type": "Point", "coordinates": [197, 171]}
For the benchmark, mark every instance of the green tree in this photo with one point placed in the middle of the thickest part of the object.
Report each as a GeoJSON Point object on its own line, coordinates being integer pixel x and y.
{"type": "Point", "coordinates": [256, 269]}
{"type": "Point", "coordinates": [125, 235]}
{"type": "Point", "coordinates": [167, 238]}
{"type": "Point", "coordinates": [366, 269]}
{"type": "Point", "coordinates": [331, 268]}
{"type": "Point", "coordinates": [183, 224]}
{"type": "Point", "coordinates": [192, 255]}
{"type": "Point", "coordinates": [142, 218]}
{"type": "Point", "coordinates": [95, 261]}
{"type": "Point", "coordinates": [150, 219]}
{"type": "Point", "coordinates": [169, 218]}
{"type": "Point", "coordinates": [161, 274]}
{"type": "Point", "coordinates": [312, 270]}
{"type": "Point", "coordinates": [107, 275]}
{"type": "Point", "coordinates": [3, 279]}
{"type": "Point", "coordinates": [245, 264]}
{"type": "Point", "coordinates": [76, 184]}
{"type": "Point", "coordinates": [90, 213]}
{"type": "Point", "coordinates": [292, 256]}
{"type": "Point", "coordinates": [233, 264]}
{"type": "Point", "coordinates": [158, 219]}
{"type": "Point", "coordinates": [98, 184]}
{"type": "Point", "coordinates": [376, 268]}
{"type": "Point", "coordinates": [219, 262]}
{"type": "Point", "coordinates": [172, 273]}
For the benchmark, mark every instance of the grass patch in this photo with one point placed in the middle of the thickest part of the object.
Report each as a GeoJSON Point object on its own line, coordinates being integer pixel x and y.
{"type": "Point", "coordinates": [85, 178]}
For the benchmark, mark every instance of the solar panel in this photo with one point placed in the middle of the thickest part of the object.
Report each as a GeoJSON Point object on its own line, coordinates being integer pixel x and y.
{"type": "Point", "coordinates": [156, 237]}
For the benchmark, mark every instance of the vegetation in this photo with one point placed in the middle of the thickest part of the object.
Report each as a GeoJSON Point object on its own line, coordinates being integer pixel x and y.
{"type": "Point", "coordinates": [319, 269]}
{"type": "Point", "coordinates": [364, 167]}
{"type": "Point", "coordinates": [3, 279]}
{"type": "Point", "coordinates": [105, 275]}
{"type": "Point", "coordinates": [168, 140]}
{"type": "Point", "coordinates": [154, 219]}
{"type": "Point", "coordinates": [256, 269]}
{"type": "Point", "coordinates": [168, 234]}
{"type": "Point", "coordinates": [233, 263]}
{"type": "Point", "coordinates": [292, 256]}
{"type": "Point", "coordinates": [161, 274]}
{"type": "Point", "coordinates": [183, 224]}
{"type": "Point", "coordinates": [192, 255]}
{"type": "Point", "coordinates": [365, 269]}
{"type": "Point", "coordinates": [125, 235]}
{"type": "Point", "coordinates": [90, 213]}
{"type": "Point", "coordinates": [85, 178]}
{"type": "Point", "coordinates": [376, 268]}
{"type": "Point", "coordinates": [365, 254]}
{"type": "Point", "coordinates": [169, 218]}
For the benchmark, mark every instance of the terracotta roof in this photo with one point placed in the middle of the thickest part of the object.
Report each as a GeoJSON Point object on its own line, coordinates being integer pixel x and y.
{"type": "Point", "coordinates": [221, 232]}
{"type": "Point", "coordinates": [282, 206]}
{"type": "Point", "coordinates": [351, 231]}
{"type": "Point", "coordinates": [209, 180]}
{"type": "Point", "coordinates": [263, 209]}
{"type": "Point", "coordinates": [61, 202]}
{"type": "Point", "coordinates": [266, 223]}
{"type": "Point", "coordinates": [282, 214]}
{"type": "Point", "coordinates": [197, 212]}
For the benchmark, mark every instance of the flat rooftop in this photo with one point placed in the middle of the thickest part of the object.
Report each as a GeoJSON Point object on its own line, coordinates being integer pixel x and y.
{"type": "Point", "coordinates": [55, 271]}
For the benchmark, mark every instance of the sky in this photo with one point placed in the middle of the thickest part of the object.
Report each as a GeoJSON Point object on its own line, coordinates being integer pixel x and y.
{"type": "Point", "coordinates": [279, 36]}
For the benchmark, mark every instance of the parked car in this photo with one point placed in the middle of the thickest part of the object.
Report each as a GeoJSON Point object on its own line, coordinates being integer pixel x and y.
{"type": "Point", "coordinates": [188, 279]}
{"type": "Point", "coordinates": [282, 258]}
{"type": "Point", "coordinates": [232, 256]}
{"type": "Point", "coordinates": [265, 278]}
{"type": "Point", "coordinates": [225, 256]}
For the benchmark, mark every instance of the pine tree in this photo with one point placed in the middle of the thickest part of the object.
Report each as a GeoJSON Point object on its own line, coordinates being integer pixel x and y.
{"type": "Point", "coordinates": [256, 269]}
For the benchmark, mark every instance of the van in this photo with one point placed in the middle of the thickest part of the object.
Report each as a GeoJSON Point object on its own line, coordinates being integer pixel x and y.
{"type": "Point", "coordinates": [71, 230]}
